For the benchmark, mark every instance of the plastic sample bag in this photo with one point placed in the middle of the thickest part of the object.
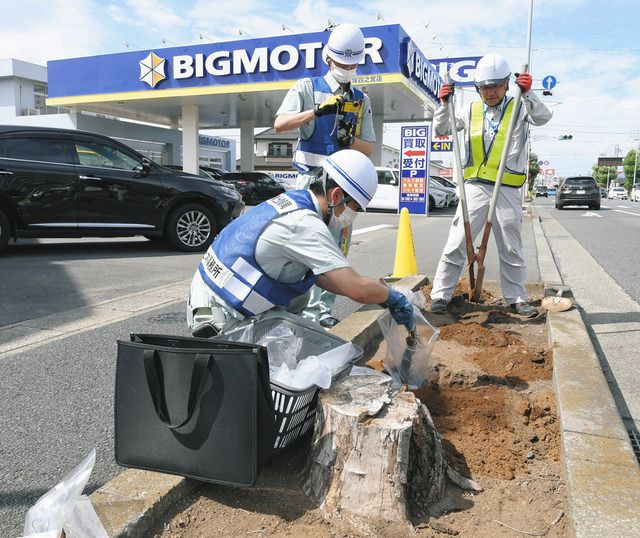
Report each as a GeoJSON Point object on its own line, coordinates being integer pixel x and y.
{"type": "Point", "coordinates": [64, 507]}
{"type": "Point", "coordinates": [316, 370]}
{"type": "Point", "coordinates": [283, 347]}
{"type": "Point", "coordinates": [408, 361]}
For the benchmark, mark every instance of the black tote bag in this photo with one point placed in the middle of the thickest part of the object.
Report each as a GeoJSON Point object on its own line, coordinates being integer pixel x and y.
{"type": "Point", "coordinates": [194, 407]}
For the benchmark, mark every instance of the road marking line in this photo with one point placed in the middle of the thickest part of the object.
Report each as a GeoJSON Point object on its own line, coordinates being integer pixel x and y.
{"type": "Point", "coordinates": [589, 214]}
{"type": "Point", "coordinates": [371, 229]}
{"type": "Point", "coordinates": [627, 212]}
{"type": "Point", "coordinates": [625, 206]}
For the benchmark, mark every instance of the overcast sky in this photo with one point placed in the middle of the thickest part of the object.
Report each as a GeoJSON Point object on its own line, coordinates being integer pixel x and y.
{"type": "Point", "coordinates": [591, 46]}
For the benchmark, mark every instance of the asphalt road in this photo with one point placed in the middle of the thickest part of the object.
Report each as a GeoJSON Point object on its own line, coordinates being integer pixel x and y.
{"type": "Point", "coordinates": [57, 398]}
{"type": "Point", "coordinates": [611, 235]}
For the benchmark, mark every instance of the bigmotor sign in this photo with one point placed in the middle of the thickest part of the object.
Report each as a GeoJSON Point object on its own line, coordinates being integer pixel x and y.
{"type": "Point", "coordinates": [269, 61]}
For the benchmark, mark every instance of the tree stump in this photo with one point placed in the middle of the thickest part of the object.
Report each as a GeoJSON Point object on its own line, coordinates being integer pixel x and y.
{"type": "Point", "coordinates": [376, 452]}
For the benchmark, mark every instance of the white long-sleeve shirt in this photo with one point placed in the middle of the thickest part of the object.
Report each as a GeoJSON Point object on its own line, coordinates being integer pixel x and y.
{"type": "Point", "coordinates": [533, 112]}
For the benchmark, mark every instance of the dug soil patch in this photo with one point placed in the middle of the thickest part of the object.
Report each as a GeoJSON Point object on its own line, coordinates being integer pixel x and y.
{"type": "Point", "coordinates": [493, 404]}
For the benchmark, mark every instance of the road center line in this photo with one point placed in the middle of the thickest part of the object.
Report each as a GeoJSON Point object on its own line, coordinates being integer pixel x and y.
{"type": "Point", "coordinates": [371, 229]}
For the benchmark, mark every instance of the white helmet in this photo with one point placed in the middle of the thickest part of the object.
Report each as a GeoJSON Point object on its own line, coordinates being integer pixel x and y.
{"type": "Point", "coordinates": [345, 45]}
{"type": "Point", "coordinates": [491, 69]}
{"type": "Point", "coordinates": [354, 173]}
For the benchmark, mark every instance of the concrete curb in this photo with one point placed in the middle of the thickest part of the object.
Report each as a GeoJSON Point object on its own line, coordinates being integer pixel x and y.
{"type": "Point", "coordinates": [601, 471]}
{"type": "Point", "coordinates": [133, 502]}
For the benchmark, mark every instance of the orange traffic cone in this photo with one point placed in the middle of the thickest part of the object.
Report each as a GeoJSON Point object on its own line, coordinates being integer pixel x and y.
{"type": "Point", "coordinates": [405, 263]}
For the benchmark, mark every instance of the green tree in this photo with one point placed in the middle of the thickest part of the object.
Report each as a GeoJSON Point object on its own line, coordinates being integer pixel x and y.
{"type": "Point", "coordinates": [534, 169]}
{"type": "Point", "coordinates": [628, 164]}
{"type": "Point", "coordinates": [602, 172]}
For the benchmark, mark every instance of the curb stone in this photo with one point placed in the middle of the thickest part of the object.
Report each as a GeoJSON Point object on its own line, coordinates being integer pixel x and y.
{"type": "Point", "coordinates": [135, 501]}
{"type": "Point", "coordinates": [600, 468]}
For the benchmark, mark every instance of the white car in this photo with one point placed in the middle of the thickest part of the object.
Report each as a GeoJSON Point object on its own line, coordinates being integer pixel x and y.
{"type": "Point", "coordinates": [386, 196]}
{"type": "Point", "coordinates": [635, 193]}
{"type": "Point", "coordinates": [617, 192]}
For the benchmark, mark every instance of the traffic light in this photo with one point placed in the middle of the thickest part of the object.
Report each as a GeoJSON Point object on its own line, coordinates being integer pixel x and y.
{"type": "Point", "coordinates": [565, 137]}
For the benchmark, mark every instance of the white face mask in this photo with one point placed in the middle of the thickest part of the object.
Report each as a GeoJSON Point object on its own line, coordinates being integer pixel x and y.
{"type": "Point", "coordinates": [343, 75]}
{"type": "Point", "coordinates": [345, 219]}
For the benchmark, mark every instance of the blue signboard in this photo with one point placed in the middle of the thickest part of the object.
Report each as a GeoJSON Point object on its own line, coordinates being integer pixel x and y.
{"type": "Point", "coordinates": [414, 169]}
{"type": "Point", "coordinates": [460, 69]}
{"type": "Point", "coordinates": [269, 60]}
{"type": "Point", "coordinates": [419, 70]}
{"type": "Point", "coordinates": [549, 82]}
{"type": "Point", "coordinates": [441, 145]}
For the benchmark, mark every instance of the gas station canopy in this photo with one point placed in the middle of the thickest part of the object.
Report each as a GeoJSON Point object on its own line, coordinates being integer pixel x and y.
{"type": "Point", "coordinates": [241, 80]}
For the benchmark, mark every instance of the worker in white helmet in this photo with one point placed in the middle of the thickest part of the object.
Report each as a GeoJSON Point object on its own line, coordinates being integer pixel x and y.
{"type": "Point", "coordinates": [266, 260]}
{"type": "Point", "coordinates": [485, 127]}
{"type": "Point", "coordinates": [331, 114]}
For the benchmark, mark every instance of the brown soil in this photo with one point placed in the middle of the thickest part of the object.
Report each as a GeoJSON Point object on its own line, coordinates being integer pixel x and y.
{"type": "Point", "coordinates": [493, 404]}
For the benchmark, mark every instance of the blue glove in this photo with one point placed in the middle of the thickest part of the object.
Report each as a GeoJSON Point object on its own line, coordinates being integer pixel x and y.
{"type": "Point", "coordinates": [400, 308]}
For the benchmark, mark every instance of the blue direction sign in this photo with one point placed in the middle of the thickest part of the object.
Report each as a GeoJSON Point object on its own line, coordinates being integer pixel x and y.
{"type": "Point", "coordinates": [549, 82]}
{"type": "Point", "coordinates": [414, 166]}
{"type": "Point", "coordinates": [441, 145]}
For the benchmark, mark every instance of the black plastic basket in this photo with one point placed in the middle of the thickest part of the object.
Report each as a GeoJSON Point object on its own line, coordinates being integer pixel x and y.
{"type": "Point", "coordinates": [295, 410]}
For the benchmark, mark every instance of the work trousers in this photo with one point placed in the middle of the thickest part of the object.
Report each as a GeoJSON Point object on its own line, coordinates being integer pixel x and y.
{"type": "Point", "coordinates": [507, 231]}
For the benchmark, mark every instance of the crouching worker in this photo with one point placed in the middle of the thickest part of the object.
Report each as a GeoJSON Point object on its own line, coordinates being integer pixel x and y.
{"type": "Point", "coordinates": [267, 260]}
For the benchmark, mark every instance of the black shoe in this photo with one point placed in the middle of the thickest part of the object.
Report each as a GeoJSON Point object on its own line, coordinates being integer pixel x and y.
{"type": "Point", "coordinates": [329, 322]}
{"type": "Point", "coordinates": [439, 306]}
{"type": "Point", "coordinates": [524, 309]}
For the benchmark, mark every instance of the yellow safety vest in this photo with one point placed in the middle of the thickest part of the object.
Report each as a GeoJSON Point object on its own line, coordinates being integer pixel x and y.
{"type": "Point", "coordinates": [485, 166]}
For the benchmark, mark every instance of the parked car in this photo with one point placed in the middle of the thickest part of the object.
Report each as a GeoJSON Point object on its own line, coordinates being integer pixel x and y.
{"type": "Point", "coordinates": [66, 183]}
{"type": "Point", "coordinates": [635, 193]}
{"type": "Point", "coordinates": [254, 187]}
{"type": "Point", "coordinates": [441, 183]}
{"type": "Point", "coordinates": [541, 190]}
{"type": "Point", "coordinates": [619, 193]}
{"type": "Point", "coordinates": [215, 173]}
{"type": "Point", "coordinates": [387, 194]}
{"type": "Point", "coordinates": [603, 192]}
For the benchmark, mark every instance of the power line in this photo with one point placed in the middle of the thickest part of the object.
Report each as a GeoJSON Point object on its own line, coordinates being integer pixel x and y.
{"type": "Point", "coordinates": [497, 46]}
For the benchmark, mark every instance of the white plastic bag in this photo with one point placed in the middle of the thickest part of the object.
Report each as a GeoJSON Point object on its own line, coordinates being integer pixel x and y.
{"type": "Point", "coordinates": [64, 507]}
{"type": "Point", "coordinates": [408, 362]}
{"type": "Point", "coordinates": [283, 347]}
{"type": "Point", "coordinates": [316, 370]}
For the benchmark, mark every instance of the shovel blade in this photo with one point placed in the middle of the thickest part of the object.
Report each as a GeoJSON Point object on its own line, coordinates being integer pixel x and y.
{"type": "Point", "coordinates": [477, 289]}
{"type": "Point", "coordinates": [556, 304]}
{"type": "Point", "coordinates": [471, 279]}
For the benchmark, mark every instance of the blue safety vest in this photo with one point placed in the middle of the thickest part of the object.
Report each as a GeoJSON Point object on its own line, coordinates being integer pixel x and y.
{"type": "Point", "coordinates": [229, 267]}
{"type": "Point", "coordinates": [324, 138]}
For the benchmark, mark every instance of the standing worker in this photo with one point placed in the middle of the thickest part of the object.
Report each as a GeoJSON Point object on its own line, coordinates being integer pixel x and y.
{"type": "Point", "coordinates": [330, 115]}
{"type": "Point", "coordinates": [485, 126]}
{"type": "Point", "coordinates": [268, 258]}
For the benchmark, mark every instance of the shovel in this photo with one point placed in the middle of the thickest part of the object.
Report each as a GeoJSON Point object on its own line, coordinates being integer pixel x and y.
{"type": "Point", "coordinates": [482, 249]}
{"type": "Point", "coordinates": [471, 255]}
{"type": "Point", "coordinates": [413, 342]}
{"type": "Point", "coordinates": [558, 303]}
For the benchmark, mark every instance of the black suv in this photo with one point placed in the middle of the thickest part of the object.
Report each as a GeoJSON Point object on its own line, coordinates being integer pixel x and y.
{"type": "Point", "coordinates": [254, 186]}
{"type": "Point", "coordinates": [65, 183]}
{"type": "Point", "coordinates": [541, 190]}
{"type": "Point", "coordinates": [579, 190]}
